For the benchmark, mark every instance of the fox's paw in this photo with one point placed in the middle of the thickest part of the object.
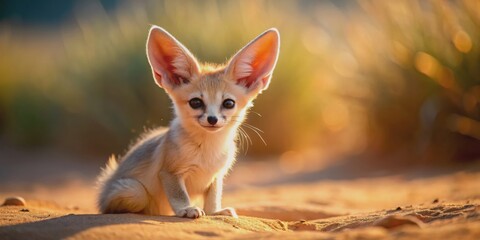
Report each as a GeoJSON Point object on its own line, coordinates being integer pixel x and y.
{"type": "Point", "coordinates": [227, 212]}
{"type": "Point", "coordinates": [191, 212]}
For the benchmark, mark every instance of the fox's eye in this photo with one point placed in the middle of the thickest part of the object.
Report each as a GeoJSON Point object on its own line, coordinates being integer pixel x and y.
{"type": "Point", "coordinates": [228, 103]}
{"type": "Point", "coordinates": [196, 103]}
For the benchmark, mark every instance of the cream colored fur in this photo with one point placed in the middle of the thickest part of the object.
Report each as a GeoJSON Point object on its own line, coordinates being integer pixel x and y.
{"type": "Point", "coordinates": [168, 170]}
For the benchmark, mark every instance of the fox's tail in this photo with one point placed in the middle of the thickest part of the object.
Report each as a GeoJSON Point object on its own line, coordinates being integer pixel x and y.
{"type": "Point", "coordinates": [107, 171]}
{"type": "Point", "coordinates": [119, 195]}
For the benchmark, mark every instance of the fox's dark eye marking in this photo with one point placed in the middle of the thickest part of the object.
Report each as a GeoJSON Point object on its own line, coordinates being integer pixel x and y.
{"type": "Point", "coordinates": [196, 103]}
{"type": "Point", "coordinates": [228, 104]}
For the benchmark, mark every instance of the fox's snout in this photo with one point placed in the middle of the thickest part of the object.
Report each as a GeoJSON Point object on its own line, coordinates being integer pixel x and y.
{"type": "Point", "coordinates": [212, 120]}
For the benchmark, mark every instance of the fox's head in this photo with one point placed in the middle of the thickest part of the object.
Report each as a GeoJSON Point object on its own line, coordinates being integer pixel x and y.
{"type": "Point", "coordinates": [211, 97]}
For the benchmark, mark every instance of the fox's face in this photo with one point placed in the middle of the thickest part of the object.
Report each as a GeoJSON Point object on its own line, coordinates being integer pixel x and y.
{"type": "Point", "coordinates": [211, 97]}
{"type": "Point", "coordinates": [210, 102]}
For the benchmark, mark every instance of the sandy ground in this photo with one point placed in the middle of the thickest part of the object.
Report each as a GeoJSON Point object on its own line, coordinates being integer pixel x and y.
{"type": "Point", "coordinates": [323, 203]}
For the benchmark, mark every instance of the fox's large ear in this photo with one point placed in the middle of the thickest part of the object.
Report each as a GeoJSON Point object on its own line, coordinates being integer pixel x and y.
{"type": "Point", "coordinates": [253, 65]}
{"type": "Point", "coordinates": [172, 64]}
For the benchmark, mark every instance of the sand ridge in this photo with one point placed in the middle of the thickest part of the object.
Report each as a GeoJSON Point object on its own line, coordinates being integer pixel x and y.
{"type": "Point", "coordinates": [21, 222]}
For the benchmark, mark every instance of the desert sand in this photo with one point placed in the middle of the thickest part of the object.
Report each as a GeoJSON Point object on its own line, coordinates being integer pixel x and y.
{"type": "Point", "coordinates": [325, 203]}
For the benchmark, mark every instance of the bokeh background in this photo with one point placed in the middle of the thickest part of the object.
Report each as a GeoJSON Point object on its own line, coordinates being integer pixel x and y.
{"type": "Point", "coordinates": [381, 82]}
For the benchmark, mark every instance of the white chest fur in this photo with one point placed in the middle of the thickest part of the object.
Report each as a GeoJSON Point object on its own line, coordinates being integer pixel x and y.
{"type": "Point", "coordinates": [207, 164]}
{"type": "Point", "coordinates": [200, 162]}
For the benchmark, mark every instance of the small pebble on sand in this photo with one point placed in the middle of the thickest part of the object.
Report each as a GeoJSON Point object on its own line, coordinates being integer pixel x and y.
{"type": "Point", "coordinates": [14, 201]}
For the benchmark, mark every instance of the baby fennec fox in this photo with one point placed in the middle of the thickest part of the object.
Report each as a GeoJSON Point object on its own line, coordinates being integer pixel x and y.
{"type": "Point", "coordinates": [169, 168]}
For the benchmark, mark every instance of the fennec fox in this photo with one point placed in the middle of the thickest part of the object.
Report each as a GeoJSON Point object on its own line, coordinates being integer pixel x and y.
{"type": "Point", "coordinates": [170, 168]}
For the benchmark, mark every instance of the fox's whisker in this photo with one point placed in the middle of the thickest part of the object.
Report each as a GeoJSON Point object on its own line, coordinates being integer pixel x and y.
{"type": "Point", "coordinates": [257, 132]}
{"type": "Point", "coordinates": [256, 113]}
{"type": "Point", "coordinates": [253, 128]}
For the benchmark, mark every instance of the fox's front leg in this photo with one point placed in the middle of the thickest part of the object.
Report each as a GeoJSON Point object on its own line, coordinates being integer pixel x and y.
{"type": "Point", "coordinates": [213, 200]}
{"type": "Point", "coordinates": [177, 195]}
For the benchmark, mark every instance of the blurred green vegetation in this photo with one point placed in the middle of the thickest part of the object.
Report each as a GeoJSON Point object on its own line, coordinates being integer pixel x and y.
{"type": "Point", "coordinates": [376, 78]}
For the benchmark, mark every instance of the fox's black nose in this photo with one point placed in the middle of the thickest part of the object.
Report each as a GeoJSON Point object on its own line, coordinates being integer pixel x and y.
{"type": "Point", "coordinates": [212, 120]}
